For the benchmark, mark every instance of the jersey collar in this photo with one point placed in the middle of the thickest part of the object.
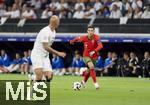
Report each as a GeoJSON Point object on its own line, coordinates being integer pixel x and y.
{"type": "Point", "coordinates": [90, 38]}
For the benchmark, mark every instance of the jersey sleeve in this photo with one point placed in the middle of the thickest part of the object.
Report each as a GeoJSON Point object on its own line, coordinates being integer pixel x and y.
{"type": "Point", "coordinates": [44, 36]}
{"type": "Point", "coordinates": [100, 45]}
{"type": "Point", "coordinates": [78, 39]}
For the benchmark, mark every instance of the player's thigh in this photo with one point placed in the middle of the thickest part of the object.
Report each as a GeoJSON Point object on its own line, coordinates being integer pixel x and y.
{"type": "Point", "coordinates": [48, 74]}
{"type": "Point", "coordinates": [88, 61]}
{"type": "Point", "coordinates": [37, 61]}
{"type": "Point", "coordinates": [47, 68]}
{"type": "Point", "coordinates": [37, 65]}
{"type": "Point", "coordinates": [38, 72]}
{"type": "Point", "coordinates": [90, 65]}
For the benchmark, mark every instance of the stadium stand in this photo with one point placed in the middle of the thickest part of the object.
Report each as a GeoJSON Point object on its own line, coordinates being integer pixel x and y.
{"type": "Point", "coordinates": [128, 32]}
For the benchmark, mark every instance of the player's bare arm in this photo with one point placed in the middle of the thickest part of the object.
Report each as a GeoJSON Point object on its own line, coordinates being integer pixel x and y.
{"type": "Point", "coordinates": [51, 50]}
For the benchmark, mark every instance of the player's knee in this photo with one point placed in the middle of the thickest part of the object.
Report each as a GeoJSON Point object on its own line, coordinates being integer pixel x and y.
{"type": "Point", "coordinates": [39, 74]}
{"type": "Point", "coordinates": [90, 65]}
{"type": "Point", "coordinates": [49, 77]}
{"type": "Point", "coordinates": [88, 71]}
{"type": "Point", "coordinates": [39, 77]}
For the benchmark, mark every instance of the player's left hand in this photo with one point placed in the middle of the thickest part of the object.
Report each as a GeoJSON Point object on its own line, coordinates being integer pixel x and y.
{"type": "Point", "coordinates": [62, 54]}
{"type": "Point", "coordinates": [92, 53]}
{"type": "Point", "coordinates": [71, 42]}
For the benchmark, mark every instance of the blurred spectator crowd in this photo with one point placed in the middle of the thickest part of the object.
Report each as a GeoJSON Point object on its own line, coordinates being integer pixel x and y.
{"type": "Point", "coordinates": [15, 64]}
{"type": "Point", "coordinates": [127, 65]}
{"type": "Point", "coordinates": [79, 9]}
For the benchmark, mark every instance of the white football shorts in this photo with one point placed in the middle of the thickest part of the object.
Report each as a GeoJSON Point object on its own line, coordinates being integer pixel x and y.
{"type": "Point", "coordinates": [39, 61]}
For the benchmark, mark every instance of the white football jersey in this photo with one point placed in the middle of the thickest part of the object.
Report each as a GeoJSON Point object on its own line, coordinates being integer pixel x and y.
{"type": "Point", "coordinates": [45, 35]}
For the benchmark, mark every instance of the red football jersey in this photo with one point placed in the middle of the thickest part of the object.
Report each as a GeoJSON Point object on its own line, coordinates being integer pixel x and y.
{"type": "Point", "coordinates": [93, 44]}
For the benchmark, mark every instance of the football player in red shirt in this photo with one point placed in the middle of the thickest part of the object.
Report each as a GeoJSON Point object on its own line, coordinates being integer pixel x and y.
{"type": "Point", "coordinates": [92, 45]}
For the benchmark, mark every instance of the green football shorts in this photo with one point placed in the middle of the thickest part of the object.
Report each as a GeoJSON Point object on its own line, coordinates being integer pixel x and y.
{"type": "Point", "coordinates": [88, 59]}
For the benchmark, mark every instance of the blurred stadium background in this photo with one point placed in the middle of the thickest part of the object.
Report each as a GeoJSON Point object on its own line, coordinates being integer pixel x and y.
{"type": "Point", "coordinates": [124, 27]}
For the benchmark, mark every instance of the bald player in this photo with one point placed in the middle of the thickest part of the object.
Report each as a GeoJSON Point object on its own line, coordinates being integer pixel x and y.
{"type": "Point", "coordinates": [42, 48]}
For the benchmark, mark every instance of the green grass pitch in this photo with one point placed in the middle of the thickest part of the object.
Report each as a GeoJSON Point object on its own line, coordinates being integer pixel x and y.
{"type": "Point", "coordinates": [113, 91]}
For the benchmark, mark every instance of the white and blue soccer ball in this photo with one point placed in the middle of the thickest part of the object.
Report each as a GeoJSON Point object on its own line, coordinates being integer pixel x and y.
{"type": "Point", "coordinates": [77, 85]}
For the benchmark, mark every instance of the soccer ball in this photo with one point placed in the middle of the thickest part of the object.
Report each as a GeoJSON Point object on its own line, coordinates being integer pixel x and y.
{"type": "Point", "coordinates": [77, 85]}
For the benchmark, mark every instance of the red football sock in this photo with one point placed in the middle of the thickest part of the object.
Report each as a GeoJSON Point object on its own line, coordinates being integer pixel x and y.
{"type": "Point", "coordinates": [86, 76]}
{"type": "Point", "coordinates": [93, 75]}
{"type": "Point", "coordinates": [84, 73]}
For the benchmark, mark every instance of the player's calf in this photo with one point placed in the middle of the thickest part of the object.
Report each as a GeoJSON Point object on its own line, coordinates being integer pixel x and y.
{"type": "Point", "coordinates": [83, 84]}
{"type": "Point", "coordinates": [48, 75]}
{"type": "Point", "coordinates": [48, 79]}
{"type": "Point", "coordinates": [39, 74]}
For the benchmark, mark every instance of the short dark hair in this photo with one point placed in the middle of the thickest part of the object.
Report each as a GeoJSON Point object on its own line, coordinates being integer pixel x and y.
{"type": "Point", "coordinates": [90, 27]}
{"type": "Point", "coordinates": [127, 53]}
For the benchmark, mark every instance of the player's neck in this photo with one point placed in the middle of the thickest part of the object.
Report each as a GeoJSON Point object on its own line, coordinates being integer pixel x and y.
{"type": "Point", "coordinates": [90, 37]}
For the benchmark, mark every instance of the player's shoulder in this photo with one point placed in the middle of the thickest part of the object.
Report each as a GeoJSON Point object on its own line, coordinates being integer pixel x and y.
{"type": "Point", "coordinates": [44, 31]}
{"type": "Point", "coordinates": [96, 37]}
{"type": "Point", "coordinates": [45, 28]}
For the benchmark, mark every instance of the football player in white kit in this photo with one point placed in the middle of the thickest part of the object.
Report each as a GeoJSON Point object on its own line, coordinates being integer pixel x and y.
{"type": "Point", "coordinates": [42, 48]}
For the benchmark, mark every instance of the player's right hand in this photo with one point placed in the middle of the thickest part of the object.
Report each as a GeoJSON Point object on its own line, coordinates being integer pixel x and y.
{"type": "Point", "coordinates": [62, 54]}
{"type": "Point", "coordinates": [92, 53]}
{"type": "Point", "coordinates": [71, 42]}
